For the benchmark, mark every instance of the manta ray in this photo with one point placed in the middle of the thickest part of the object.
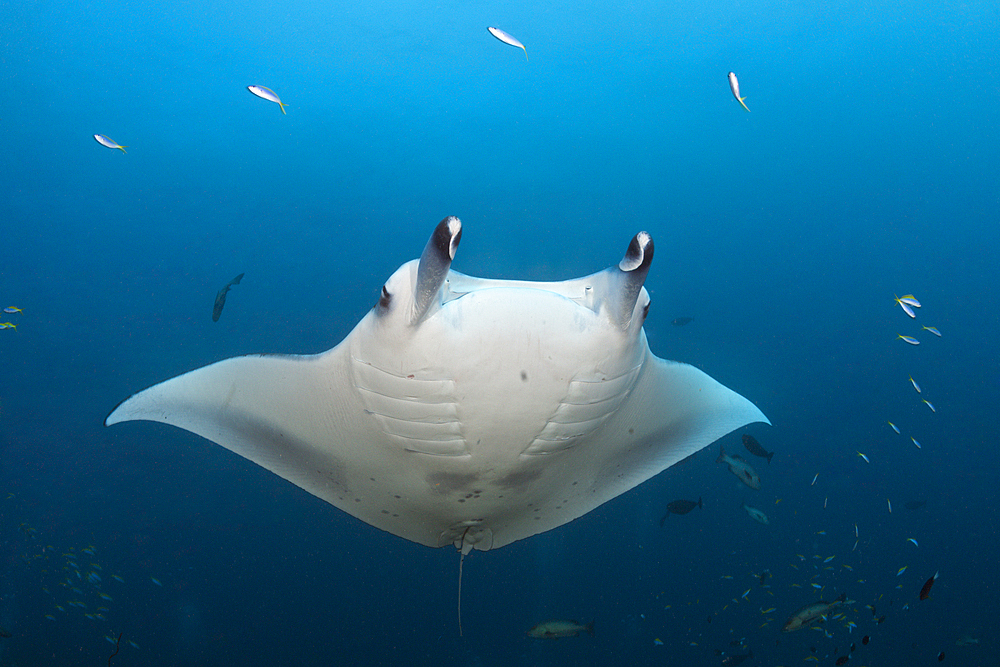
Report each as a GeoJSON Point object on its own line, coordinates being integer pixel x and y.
{"type": "Point", "coordinates": [465, 411]}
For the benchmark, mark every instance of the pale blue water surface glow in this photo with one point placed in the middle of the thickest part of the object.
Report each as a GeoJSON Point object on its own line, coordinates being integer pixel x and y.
{"type": "Point", "coordinates": [866, 168]}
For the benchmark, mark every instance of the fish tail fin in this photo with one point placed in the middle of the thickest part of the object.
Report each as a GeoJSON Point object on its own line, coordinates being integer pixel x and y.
{"type": "Point", "coordinates": [770, 454]}
{"type": "Point", "coordinates": [722, 454]}
{"type": "Point", "coordinates": [589, 628]}
{"type": "Point", "coordinates": [280, 104]}
{"type": "Point", "coordinates": [744, 105]}
{"type": "Point", "coordinates": [121, 148]}
{"type": "Point", "coordinates": [699, 502]}
{"type": "Point", "coordinates": [526, 58]}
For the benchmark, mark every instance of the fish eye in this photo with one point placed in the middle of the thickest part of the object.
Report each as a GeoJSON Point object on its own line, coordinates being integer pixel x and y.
{"type": "Point", "coordinates": [385, 298]}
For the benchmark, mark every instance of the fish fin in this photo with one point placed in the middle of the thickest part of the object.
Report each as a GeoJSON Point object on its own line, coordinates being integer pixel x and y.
{"type": "Point", "coordinates": [744, 105]}
{"type": "Point", "coordinates": [526, 58]}
{"type": "Point", "coordinates": [286, 113]}
{"type": "Point", "coordinates": [121, 148]}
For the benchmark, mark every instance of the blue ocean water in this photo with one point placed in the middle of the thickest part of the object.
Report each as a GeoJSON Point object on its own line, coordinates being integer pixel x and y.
{"type": "Point", "coordinates": [865, 169]}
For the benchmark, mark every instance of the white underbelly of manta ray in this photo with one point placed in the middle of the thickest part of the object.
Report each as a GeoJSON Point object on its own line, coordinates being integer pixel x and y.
{"type": "Point", "coordinates": [463, 410]}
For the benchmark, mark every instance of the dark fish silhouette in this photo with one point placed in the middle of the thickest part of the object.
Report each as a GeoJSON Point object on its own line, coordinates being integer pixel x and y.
{"type": "Point", "coordinates": [681, 321]}
{"type": "Point", "coordinates": [915, 504]}
{"type": "Point", "coordinates": [925, 592]}
{"type": "Point", "coordinates": [680, 507]}
{"type": "Point", "coordinates": [734, 660]}
{"type": "Point", "coordinates": [220, 298]}
{"type": "Point", "coordinates": [754, 448]}
{"type": "Point", "coordinates": [842, 660]}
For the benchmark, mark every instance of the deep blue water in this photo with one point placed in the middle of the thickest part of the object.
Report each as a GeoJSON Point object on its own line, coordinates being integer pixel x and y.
{"type": "Point", "coordinates": [866, 168]}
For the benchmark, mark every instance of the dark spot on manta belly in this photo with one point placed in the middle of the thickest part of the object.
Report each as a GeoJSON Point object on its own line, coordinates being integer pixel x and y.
{"type": "Point", "coordinates": [451, 482]}
{"type": "Point", "coordinates": [518, 479]}
{"type": "Point", "coordinates": [524, 376]}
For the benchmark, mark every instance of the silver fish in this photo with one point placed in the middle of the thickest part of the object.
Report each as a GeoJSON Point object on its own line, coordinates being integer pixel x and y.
{"type": "Point", "coordinates": [110, 143]}
{"type": "Point", "coordinates": [734, 86]}
{"type": "Point", "coordinates": [557, 629]}
{"type": "Point", "coordinates": [740, 468]}
{"type": "Point", "coordinates": [756, 514]}
{"type": "Point", "coordinates": [804, 616]}
{"type": "Point", "coordinates": [266, 93]}
{"type": "Point", "coordinates": [507, 38]}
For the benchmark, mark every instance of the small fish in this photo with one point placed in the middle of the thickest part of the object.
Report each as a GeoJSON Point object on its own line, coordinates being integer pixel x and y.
{"type": "Point", "coordinates": [813, 483]}
{"type": "Point", "coordinates": [733, 660]}
{"type": "Point", "coordinates": [925, 591]}
{"type": "Point", "coordinates": [910, 300]}
{"type": "Point", "coordinates": [734, 86]}
{"type": "Point", "coordinates": [220, 298]}
{"type": "Point", "coordinates": [934, 331]}
{"type": "Point", "coordinates": [50, 617]}
{"type": "Point", "coordinates": [133, 644]}
{"type": "Point", "coordinates": [825, 501]}
{"type": "Point", "coordinates": [110, 143]}
{"type": "Point", "coordinates": [657, 642]}
{"type": "Point", "coordinates": [755, 448]}
{"type": "Point", "coordinates": [864, 457]}
{"type": "Point", "coordinates": [15, 309]}
{"type": "Point", "coordinates": [8, 325]}
{"type": "Point", "coordinates": [910, 539]}
{"type": "Point", "coordinates": [767, 611]}
{"type": "Point", "coordinates": [756, 514]}
{"type": "Point", "coordinates": [828, 559]}
{"type": "Point", "coordinates": [901, 570]}
{"type": "Point", "coordinates": [507, 38]}
{"type": "Point", "coordinates": [894, 427]}
{"type": "Point", "coordinates": [929, 405]}
{"type": "Point", "coordinates": [865, 640]}
{"type": "Point", "coordinates": [267, 94]}
{"type": "Point", "coordinates": [821, 532]}
{"type": "Point", "coordinates": [848, 567]}
{"type": "Point", "coordinates": [744, 596]}
{"type": "Point", "coordinates": [909, 339]}
{"type": "Point", "coordinates": [117, 578]}
{"type": "Point", "coordinates": [680, 507]}
{"type": "Point", "coordinates": [557, 629]}
{"type": "Point", "coordinates": [816, 586]}
{"type": "Point", "coordinates": [856, 530]}
{"type": "Point", "coordinates": [915, 385]}
{"type": "Point", "coordinates": [842, 660]}
{"type": "Point", "coordinates": [941, 656]}
{"type": "Point", "coordinates": [804, 616]}
{"type": "Point", "coordinates": [740, 468]}
{"type": "Point", "coordinates": [155, 581]}
{"type": "Point", "coordinates": [915, 442]}
{"type": "Point", "coordinates": [105, 596]}
{"type": "Point", "coordinates": [906, 307]}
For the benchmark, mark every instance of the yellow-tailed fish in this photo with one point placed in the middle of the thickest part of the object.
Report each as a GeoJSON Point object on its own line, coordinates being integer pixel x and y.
{"type": "Point", "coordinates": [929, 405]}
{"type": "Point", "coordinates": [901, 571]}
{"type": "Point", "coordinates": [734, 86]}
{"type": "Point", "coordinates": [894, 427]}
{"type": "Point", "coordinates": [910, 300]}
{"type": "Point", "coordinates": [266, 93]}
{"type": "Point", "coordinates": [905, 306]}
{"type": "Point", "coordinates": [814, 479]}
{"type": "Point", "coordinates": [110, 143]}
{"type": "Point", "coordinates": [910, 539]}
{"type": "Point", "coordinates": [915, 442]}
{"type": "Point", "coordinates": [507, 38]}
{"type": "Point", "coordinates": [864, 457]}
{"type": "Point", "coordinates": [915, 385]}
{"type": "Point", "coordinates": [909, 339]}
{"type": "Point", "coordinates": [890, 505]}
{"type": "Point", "coordinates": [15, 309]}
{"type": "Point", "coordinates": [934, 331]}
{"type": "Point", "coordinates": [855, 530]}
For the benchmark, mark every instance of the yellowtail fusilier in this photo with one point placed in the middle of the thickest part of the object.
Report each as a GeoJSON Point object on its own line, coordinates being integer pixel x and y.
{"type": "Point", "coordinates": [507, 38]}
{"type": "Point", "coordinates": [734, 85]}
{"type": "Point", "coordinates": [266, 93]}
{"type": "Point", "coordinates": [110, 143]}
